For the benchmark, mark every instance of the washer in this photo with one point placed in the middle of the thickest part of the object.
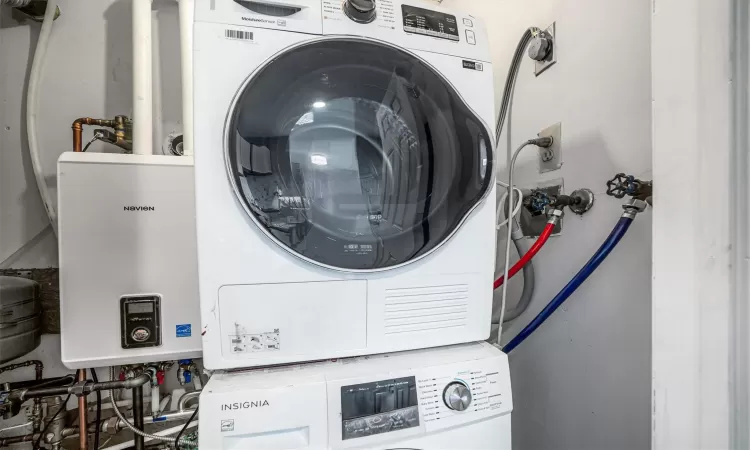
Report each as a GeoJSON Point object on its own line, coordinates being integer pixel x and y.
{"type": "Point", "coordinates": [456, 397]}
{"type": "Point", "coordinates": [345, 189]}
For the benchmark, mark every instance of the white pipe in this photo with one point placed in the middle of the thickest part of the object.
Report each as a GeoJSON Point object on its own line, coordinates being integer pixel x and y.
{"type": "Point", "coordinates": [32, 101]}
{"type": "Point", "coordinates": [158, 107]}
{"type": "Point", "coordinates": [166, 432]}
{"type": "Point", "coordinates": [142, 78]}
{"type": "Point", "coordinates": [155, 400]}
{"type": "Point", "coordinates": [187, 12]}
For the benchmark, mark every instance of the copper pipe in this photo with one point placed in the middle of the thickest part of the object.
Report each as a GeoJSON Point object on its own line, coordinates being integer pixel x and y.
{"type": "Point", "coordinates": [78, 129]}
{"type": "Point", "coordinates": [82, 415]}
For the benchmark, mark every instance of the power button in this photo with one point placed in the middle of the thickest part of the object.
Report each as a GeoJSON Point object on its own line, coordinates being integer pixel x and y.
{"type": "Point", "coordinates": [140, 334]}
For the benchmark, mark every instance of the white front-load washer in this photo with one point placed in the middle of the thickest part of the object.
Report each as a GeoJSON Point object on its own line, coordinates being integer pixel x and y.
{"type": "Point", "coordinates": [449, 398]}
{"type": "Point", "coordinates": [344, 169]}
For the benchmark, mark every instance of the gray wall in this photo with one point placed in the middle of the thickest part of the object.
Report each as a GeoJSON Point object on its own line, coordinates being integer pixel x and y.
{"type": "Point", "coordinates": [582, 381]}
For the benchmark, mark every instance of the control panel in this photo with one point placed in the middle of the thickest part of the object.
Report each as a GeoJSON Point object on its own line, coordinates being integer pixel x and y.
{"type": "Point", "coordinates": [444, 397]}
{"type": "Point", "coordinates": [378, 407]}
{"type": "Point", "coordinates": [403, 403]}
{"type": "Point", "coordinates": [140, 321]}
{"type": "Point", "coordinates": [430, 23]}
{"type": "Point", "coordinates": [412, 24]}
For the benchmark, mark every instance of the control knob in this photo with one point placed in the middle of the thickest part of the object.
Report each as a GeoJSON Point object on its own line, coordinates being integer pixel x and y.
{"type": "Point", "coordinates": [360, 11]}
{"type": "Point", "coordinates": [457, 396]}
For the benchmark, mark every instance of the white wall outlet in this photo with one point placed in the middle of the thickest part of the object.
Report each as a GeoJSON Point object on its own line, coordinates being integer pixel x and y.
{"type": "Point", "coordinates": [551, 158]}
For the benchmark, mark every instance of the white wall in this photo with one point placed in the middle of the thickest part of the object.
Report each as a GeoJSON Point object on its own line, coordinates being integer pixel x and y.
{"type": "Point", "coordinates": [582, 381]}
{"type": "Point", "coordinates": [700, 241]}
{"type": "Point", "coordinates": [87, 73]}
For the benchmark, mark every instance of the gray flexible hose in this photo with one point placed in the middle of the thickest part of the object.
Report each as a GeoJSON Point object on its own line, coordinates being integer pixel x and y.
{"type": "Point", "coordinates": [529, 283]}
{"type": "Point", "coordinates": [183, 440]}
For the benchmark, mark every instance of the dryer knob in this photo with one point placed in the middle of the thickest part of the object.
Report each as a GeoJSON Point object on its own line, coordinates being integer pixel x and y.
{"type": "Point", "coordinates": [457, 396]}
{"type": "Point", "coordinates": [360, 11]}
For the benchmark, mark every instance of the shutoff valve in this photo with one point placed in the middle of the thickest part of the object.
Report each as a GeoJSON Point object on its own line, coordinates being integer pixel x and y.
{"type": "Point", "coordinates": [627, 185]}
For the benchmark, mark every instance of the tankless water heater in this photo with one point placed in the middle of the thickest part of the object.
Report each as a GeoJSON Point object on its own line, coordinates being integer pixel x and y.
{"type": "Point", "coordinates": [128, 270]}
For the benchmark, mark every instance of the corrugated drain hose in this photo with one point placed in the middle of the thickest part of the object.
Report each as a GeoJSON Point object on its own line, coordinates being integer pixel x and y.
{"type": "Point", "coordinates": [183, 441]}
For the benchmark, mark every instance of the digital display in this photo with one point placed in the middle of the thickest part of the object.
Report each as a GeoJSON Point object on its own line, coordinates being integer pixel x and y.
{"type": "Point", "coordinates": [429, 23]}
{"type": "Point", "coordinates": [140, 308]}
{"type": "Point", "coordinates": [379, 407]}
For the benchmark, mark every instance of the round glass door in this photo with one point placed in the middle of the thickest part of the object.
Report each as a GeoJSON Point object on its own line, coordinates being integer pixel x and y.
{"type": "Point", "coordinates": [356, 155]}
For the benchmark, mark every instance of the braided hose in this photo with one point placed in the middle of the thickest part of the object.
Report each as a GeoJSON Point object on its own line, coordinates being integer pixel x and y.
{"type": "Point", "coordinates": [183, 441]}
{"type": "Point", "coordinates": [15, 3]}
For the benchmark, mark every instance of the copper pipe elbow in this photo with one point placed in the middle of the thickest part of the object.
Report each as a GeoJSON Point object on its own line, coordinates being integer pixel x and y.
{"type": "Point", "coordinates": [78, 129]}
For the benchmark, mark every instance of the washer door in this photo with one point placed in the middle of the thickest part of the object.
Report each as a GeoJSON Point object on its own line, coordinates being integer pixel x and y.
{"type": "Point", "coordinates": [356, 155]}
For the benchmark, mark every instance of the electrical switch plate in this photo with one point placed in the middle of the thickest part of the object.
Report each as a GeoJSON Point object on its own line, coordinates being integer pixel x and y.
{"type": "Point", "coordinates": [551, 59]}
{"type": "Point", "coordinates": [551, 158]}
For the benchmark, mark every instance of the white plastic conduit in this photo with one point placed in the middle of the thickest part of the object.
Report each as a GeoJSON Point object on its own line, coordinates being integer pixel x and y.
{"type": "Point", "coordinates": [32, 101]}
{"type": "Point", "coordinates": [187, 12]}
{"type": "Point", "coordinates": [142, 79]}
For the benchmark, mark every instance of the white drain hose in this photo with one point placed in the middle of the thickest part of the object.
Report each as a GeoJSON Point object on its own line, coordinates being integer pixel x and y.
{"type": "Point", "coordinates": [31, 106]}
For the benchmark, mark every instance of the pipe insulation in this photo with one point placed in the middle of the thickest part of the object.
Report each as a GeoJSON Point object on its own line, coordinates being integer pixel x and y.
{"type": "Point", "coordinates": [187, 12]}
{"type": "Point", "coordinates": [143, 89]}
{"type": "Point", "coordinates": [32, 103]}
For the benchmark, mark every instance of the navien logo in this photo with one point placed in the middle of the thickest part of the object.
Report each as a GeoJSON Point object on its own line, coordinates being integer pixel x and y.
{"type": "Point", "coordinates": [139, 208]}
{"type": "Point", "coordinates": [244, 405]}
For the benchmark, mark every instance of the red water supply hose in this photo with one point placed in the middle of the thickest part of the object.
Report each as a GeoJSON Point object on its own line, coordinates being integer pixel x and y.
{"type": "Point", "coordinates": [541, 240]}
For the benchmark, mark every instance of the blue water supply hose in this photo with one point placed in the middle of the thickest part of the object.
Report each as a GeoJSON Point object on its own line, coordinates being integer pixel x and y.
{"type": "Point", "coordinates": [614, 238]}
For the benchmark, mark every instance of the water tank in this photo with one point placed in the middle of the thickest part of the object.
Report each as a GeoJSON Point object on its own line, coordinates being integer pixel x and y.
{"type": "Point", "coordinates": [20, 317]}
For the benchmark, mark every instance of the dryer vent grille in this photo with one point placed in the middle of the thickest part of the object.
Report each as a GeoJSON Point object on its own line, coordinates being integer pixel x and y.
{"type": "Point", "coordinates": [426, 308]}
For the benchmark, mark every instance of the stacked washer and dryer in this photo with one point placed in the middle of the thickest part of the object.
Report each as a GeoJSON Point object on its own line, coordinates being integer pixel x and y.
{"type": "Point", "coordinates": [345, 205]}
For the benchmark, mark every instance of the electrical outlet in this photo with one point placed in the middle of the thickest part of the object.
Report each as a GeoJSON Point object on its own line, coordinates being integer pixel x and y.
{"type": "Point", "coordinates": [551, 158]}
{"type": "Point", "coordinates": [551, 58]}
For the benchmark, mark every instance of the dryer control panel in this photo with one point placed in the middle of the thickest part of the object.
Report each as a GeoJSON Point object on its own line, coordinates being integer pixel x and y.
{"type": "Point", "coordinates": [413, 24]}
{"type": "Point", "coordinates": [429, 23]}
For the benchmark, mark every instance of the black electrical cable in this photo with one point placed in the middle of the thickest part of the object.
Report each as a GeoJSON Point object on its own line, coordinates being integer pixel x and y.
{"type": "Point", "coordinates": [98, 409]}
{"type": "Point", "coordinates": [44, 430]}
{"type": "Point", "coordinates": [182, 431]}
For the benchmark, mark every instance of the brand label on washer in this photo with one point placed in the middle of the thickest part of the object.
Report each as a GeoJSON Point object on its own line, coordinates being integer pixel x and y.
{"type": "Point", "coordinates": [267, 341]}
{"type": "Point", "coordinates": [473, 65]}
